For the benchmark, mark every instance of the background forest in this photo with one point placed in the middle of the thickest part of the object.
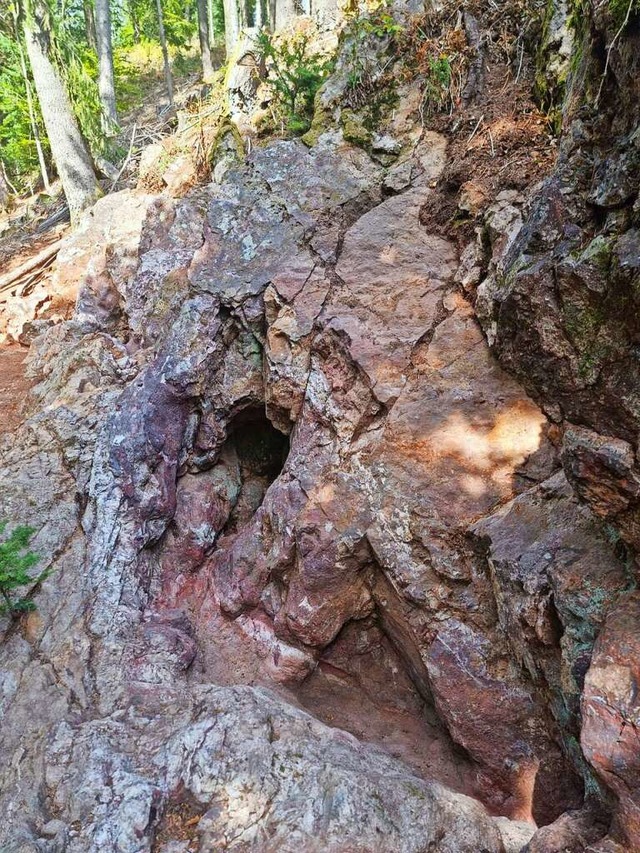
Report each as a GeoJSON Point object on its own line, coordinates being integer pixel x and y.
{"type": "Point", "coordinates": [108, 57]}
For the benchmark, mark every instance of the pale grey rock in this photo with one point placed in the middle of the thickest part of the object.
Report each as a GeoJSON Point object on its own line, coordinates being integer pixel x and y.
{"type": "Point", "coordinates": [515, 834]}
{"type": "Point", "coordinates": [263, 774]}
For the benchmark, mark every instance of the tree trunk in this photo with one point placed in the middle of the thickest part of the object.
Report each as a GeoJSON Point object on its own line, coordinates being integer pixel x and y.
{"type": "Point", "coordinates": [106, 84]}
{"type": "Point", "coordinates": [231, 25]}
{"type": "Point", "coordinates": [165, 52]}
{"type": "Point", "coordinates": [32, 117]}
{"type": "Point", "coordinates": [203, 34]}
{"type": "Point", "coordinates": [285, 13]}
{"type": "Point", "coordinates": [68, 148]}
{"type": "Point", "coordinates": [90, 24]}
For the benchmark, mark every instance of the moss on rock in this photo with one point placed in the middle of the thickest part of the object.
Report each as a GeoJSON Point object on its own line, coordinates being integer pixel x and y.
{"type": "Point", "coordinates": [354, 129]}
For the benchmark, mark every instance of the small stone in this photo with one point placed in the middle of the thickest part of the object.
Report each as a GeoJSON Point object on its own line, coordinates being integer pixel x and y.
{"type": "Point", "coordinates": [53, 828]}
{"type": "Point", "coordinates": [385, 144]}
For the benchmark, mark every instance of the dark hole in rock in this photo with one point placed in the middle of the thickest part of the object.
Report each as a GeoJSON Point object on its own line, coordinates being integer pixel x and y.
{"type": "Point", "coordinates": [262, 449]}
{"type": "Point", "coordinates": [262, 452]}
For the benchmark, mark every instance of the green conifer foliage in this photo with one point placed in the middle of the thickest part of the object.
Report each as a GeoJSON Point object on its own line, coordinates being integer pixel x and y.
{"type": "Point", "coordinates": [15, 563]}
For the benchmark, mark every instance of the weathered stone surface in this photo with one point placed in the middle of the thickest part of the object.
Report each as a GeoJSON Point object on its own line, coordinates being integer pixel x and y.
{"type": "Point", "coordinates": [603, 472]}
{"type": "Point", "coordinates": [258, 773]}
{"type": "Point", "coordinates": [560, 308]}
{"type": "Point", "coordinates": [555, 575]}
{"type": "Point", "coordinates": [515, 834]}
{"type": "Point", "coordinates": [610, 715]}
{"type": "Point", "coordinates": [273, 448]}
{"type": "Point", "coordinates": [572, 832]}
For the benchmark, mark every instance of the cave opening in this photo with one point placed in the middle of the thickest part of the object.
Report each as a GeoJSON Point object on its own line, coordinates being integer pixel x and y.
{"type": "Point", "coordinates": [262, 452]}
{"type": "Point", "coordinates": [262, 449]}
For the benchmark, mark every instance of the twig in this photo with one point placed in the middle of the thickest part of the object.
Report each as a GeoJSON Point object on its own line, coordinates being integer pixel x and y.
{"type": "Point", "coordinates": [521, 60]}
{"type": "Point", "coordinates": [493, 150]}
{"type": "Point", "coordinates": [43, 258]}
{"type": "Point", "coordinates": [610, 48]}
{"type": "Point", "coordinates": [6, 177]}
{"type": "Point", "coordinates": [33, 279]}
{"type": "Point", "coordinates": [475, 129]}
{"type": "Point", "coordinates": [61, 215]}
{"type": "Point", "coordinates": [126, 159]}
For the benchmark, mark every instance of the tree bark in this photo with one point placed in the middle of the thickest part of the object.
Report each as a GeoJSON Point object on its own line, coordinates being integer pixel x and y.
{"type": "Point", "coordinates": [231, 25]}
{"type": "Point", "coordinates": [106, 83]}
{"type": "Point", "coordinates": [285, 12]}
{"type": "Point", "coordinates": [32, 117]}
{"type": "Point", "coordinates": [165, 52]}
{"type": "Point", "coordinates": [5, 195]}
{"type": "Point", "coordinates": [68, 148]}
{"type": "Point", "coordinates": [90, 24]}
{"type": "Point", "coordinates": [203, 34]}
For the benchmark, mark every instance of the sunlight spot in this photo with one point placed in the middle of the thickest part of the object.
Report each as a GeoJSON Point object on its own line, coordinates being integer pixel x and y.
{"type": "Point", "coordinates": [473, 485]}
{"type": "Point", "coordinates": [388, 255]}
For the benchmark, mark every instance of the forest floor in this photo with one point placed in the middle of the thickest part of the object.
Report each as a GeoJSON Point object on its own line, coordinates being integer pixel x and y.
{"type": "Point", "coordinates": [36, 220]}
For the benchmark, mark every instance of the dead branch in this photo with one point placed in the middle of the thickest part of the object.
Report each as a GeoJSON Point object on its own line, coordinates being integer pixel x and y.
{"type": "Point", "coordinates": [37, 264]}
{"type": "Point", "coordinates": [476, 66]}
{"type": "Point", "coordinates": [610, 48]}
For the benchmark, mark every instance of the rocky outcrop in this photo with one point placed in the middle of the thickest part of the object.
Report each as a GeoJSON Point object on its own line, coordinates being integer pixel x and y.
{"type": "Point", "coordinates": [610, 715]}
{"type": "Point", "coordinates": [292, 289]}
{"type": "Point", "coordinates": [273, 464]}
{"type": "Point", "coordinates": [253, 772]}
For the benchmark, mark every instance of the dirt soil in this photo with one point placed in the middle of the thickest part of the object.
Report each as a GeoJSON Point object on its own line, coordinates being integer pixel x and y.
{"type": "Point", "coordinates": [501, 143]}
{"type": "Point", "coordinates": [499, 138]}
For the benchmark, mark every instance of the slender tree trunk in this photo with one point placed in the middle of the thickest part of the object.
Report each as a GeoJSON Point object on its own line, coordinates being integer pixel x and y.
{"type": "Point", "coordinates": [5, 195]}
{"type": "Point", "coordinates": [106, 83]}
{"type": "Point", "coordinates": [90, 24]}
{"type": "Point", "coordinates": [203, 35]}
{"type": "Point", "coordinates": [6, 179]}
{"type": "Point", "coordinates": [68, 148]}
{"type": "Point", "coordinates": [285, 12]}
{"type": "Point", "coordinates": [135, 24]}
{"type": "Point", "coordinates": [212, 25]}
{"type": "Point", "coordinates": [231, 25]}
{"type": "Point", "coordinates": [165, 52]}
{"type": "Point", "coordinates": [32, 117]}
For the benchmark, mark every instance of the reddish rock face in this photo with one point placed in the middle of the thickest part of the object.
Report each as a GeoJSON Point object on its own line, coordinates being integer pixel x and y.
{"type": "Point", "coordinates": [611, 713]}
{"type": "Point", "coordinates": [274, 448]}
{"type": "Point", "coordinates": [499, 720]}
{"type": "Point", "coordinates": [573, 832]}
{"type": "Point", "coordinates": [603, 472]}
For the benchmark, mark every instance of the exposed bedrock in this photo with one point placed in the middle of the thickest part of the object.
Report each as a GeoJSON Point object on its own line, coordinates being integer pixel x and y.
{"type": "Point", "coordinates": [560, 310]}
{"type": "Point", "coordinates": [274, 450]}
